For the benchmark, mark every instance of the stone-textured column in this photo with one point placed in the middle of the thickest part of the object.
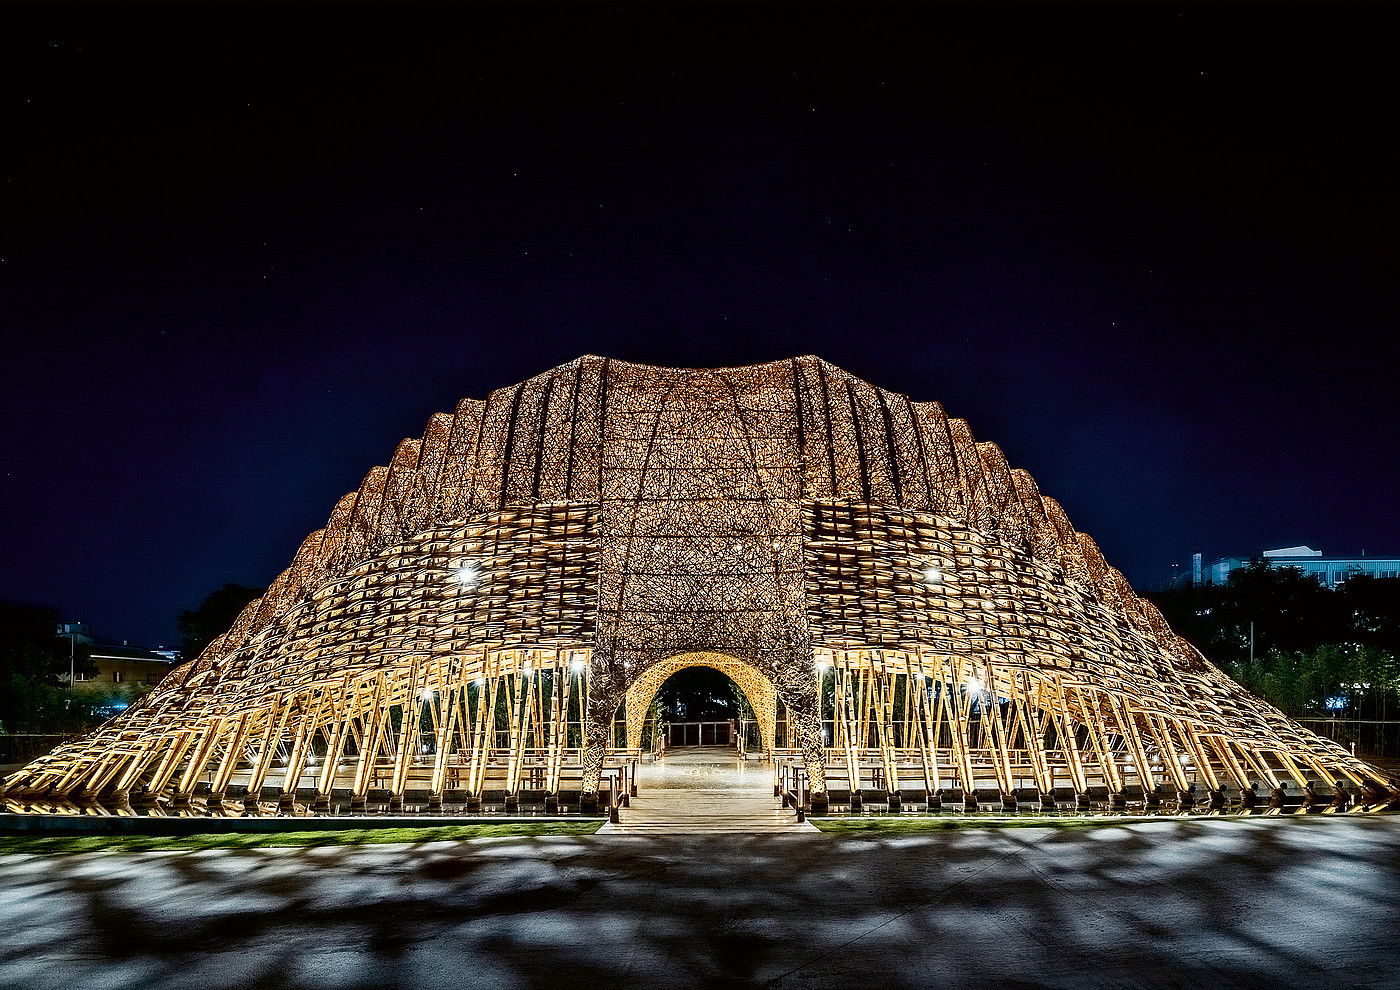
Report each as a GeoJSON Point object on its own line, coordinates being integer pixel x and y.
{"type": "Point", "coordinates": [797, 686]}
{"type": "Point", "coordinates": [606, 689]}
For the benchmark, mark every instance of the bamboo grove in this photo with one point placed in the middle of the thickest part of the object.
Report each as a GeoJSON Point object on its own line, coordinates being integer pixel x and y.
{"type": "Point", "coordinates": [902, 609]}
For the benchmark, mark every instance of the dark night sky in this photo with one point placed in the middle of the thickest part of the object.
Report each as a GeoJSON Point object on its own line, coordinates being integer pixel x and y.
{"type": "Point", "coordinates": [1149, 250]}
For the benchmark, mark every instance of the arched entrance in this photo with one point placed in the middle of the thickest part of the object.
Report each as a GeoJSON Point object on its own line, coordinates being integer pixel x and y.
{"type": "Point", "coordinates": [757, 688]}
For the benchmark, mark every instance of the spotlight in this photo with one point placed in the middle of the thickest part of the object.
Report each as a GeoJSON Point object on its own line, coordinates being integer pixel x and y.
{"type": "Point", "coordinates": [468, 575]}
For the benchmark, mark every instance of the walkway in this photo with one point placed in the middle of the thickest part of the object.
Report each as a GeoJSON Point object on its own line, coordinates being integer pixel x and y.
{"type": "Point", "coordinates": [706, 789]}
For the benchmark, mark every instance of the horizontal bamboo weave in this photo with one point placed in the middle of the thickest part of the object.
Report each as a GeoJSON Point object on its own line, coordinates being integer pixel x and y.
{"type": "Point", "coordinates": [488, 599]}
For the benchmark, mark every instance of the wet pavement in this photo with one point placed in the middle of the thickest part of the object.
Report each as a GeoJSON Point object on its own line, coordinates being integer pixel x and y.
{"type": "Point", "coordinates": [1173, 903]}
{"type": "Point", "coordinates": [703, 790]}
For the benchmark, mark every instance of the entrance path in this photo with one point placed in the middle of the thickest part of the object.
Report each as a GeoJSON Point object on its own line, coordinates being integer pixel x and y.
{"type": "Point", "coordinates": [706, 789]}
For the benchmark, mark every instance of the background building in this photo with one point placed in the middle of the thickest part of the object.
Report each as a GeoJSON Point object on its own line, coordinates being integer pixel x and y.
{"type": "Point", "coordinates": [123, 669]}
{"type": "Point", "coordinates": [129, 669]}
{"type": "Point", "coordinates": [1330, 572]}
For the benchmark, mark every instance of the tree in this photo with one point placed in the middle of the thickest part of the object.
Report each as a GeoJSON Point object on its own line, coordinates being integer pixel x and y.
{"type": "Point", "coordinates": [200, 627]}
{"type": "Point", "coordinates": [32, 698]}
{"type": "Point", "coordinates": [1372, 609]}
{"type": "Point", "coordinates": [1284, 610]}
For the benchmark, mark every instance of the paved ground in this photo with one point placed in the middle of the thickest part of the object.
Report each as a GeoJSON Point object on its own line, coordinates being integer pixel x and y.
{"type": "Point", "coordinates": [1205, 903]}
{"type": "Point", "coordinates": [706, 790]}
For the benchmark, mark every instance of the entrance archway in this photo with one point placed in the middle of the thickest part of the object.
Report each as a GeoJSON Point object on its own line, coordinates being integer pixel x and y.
{"type": "Point", "coordinates": [757, 688]}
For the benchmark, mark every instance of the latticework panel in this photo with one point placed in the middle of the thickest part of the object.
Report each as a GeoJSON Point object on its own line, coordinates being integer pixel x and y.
{"type": "Point", "coordinates": [486, 600]}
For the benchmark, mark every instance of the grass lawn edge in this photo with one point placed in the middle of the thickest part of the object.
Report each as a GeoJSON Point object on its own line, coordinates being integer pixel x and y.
{"type": "Point", "coordinates": [70, 844]}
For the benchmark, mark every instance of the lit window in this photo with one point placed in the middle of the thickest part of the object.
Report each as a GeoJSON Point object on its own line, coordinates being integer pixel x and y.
{"type": "Point", "coordinates": [117, 676]}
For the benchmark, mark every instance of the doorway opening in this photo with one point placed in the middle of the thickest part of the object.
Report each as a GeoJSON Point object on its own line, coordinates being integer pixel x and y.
{"type": "Point", "coordinates": [700, 706]}
{"type": "Point", "coordinates": [702, 699]}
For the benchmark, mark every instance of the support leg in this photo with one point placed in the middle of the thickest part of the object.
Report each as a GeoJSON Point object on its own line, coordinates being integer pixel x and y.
{"type": "Point", "coordinates": [605, 693]}
{"type": "Point", "coordinates": [801, 700]}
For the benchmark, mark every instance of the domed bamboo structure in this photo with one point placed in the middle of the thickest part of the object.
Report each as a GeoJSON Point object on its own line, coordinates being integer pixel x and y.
{"type": "Point", "coordinates": [470, 619]}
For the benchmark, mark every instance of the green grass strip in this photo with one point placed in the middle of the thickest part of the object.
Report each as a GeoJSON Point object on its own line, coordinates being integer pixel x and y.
{"type": "Point", "coordinates": [48, 844]}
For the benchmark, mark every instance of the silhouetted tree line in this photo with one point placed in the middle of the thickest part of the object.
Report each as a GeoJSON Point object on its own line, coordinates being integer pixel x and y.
{"type": "Point", "coordinates": [1315, 653]}
{"type": "Point", "coordinates": [201, 626]}
{"type": "Point", "coordinates": [34, 693]}
{"type": "Point", "coordinates": [34, 666]}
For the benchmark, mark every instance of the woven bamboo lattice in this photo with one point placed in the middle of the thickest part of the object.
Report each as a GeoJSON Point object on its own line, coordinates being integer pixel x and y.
{"type": "Point", "coordinates": [470, 619]}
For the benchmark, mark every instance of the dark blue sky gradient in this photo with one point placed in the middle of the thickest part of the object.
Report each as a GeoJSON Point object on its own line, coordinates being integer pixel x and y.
{"type": "Point", "coordinates": [1147, 249]}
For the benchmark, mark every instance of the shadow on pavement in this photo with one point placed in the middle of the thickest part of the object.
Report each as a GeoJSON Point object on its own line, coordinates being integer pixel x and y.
{"type": "Point", "coordinates": [1159, 904]}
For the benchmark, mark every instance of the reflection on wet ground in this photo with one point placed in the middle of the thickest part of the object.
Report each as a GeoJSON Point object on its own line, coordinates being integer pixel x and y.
{"type": "Point", "coordinates": [1188, 903]}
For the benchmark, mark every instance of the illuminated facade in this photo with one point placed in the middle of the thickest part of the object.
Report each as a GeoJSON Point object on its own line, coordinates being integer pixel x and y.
{"type": "Point", "coordinates": [471, 619]}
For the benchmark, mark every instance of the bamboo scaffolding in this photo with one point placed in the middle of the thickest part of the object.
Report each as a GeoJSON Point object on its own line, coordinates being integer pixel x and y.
{"type": "Point", "coordinates": [471, 620]}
